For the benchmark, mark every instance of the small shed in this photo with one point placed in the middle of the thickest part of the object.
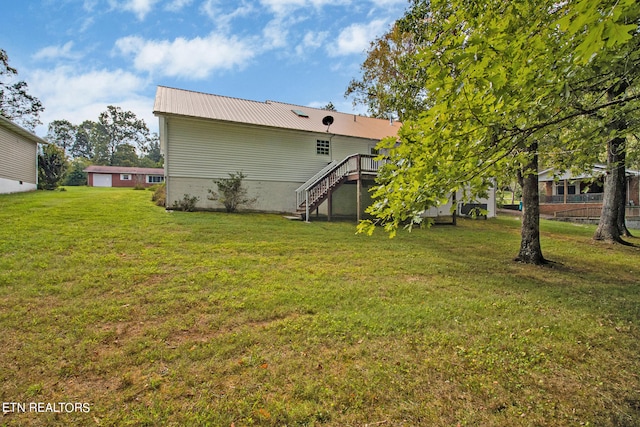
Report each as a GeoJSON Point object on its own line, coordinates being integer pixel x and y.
{"type": "Point", "coordinates": [18, 158]}
{"type": "Point", "coordinates": [121, 176]}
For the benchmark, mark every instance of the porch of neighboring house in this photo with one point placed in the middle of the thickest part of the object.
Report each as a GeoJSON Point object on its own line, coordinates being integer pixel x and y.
{"type": "Point", "coordinates": [582, 197]}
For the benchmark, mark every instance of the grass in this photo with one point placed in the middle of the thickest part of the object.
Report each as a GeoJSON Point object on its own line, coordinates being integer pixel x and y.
{"type": "Point", "coordinates": [156, 318]}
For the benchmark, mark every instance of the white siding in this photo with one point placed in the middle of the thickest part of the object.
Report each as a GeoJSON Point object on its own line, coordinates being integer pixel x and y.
{"type": "Point", "coordinates": [17, 158]}
{"type": "Point", "coordinates": [200, 149]}
{"type": "Point", "coordinates": [275, 161]}
{"type": "Point", "coordinates": [342, 147]}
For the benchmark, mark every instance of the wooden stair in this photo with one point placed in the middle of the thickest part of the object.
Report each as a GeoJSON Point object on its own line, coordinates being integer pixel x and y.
{"type": "Point", "coordinates": [317, 189]}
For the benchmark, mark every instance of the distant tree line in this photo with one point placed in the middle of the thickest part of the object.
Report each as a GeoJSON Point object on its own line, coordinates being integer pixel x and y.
{"type": "Point", "coordinates": [117, 138]}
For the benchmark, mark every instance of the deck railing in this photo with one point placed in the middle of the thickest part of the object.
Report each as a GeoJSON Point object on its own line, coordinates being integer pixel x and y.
{"type": "Point", "coordinates": [590, 212]}
{"type": "Point", "coordinates": [573, 198]}
{"type": "Point", "coordinates": [593, 212]}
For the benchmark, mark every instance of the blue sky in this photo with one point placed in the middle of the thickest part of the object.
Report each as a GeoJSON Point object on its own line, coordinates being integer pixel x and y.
{"type": "Point", "coordinates": [78, 56]}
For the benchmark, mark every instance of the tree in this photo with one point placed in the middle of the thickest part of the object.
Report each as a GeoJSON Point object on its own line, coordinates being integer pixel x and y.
{"type": "Point", "coordinates": [153, 158]}
{"type": "Point", "coordinates": [83, 146]}
{"type": "Point", "coordinates": [15, 102]}
{"type": "Point", "coordinates": [63, 134]}
{"type": "Point", "coordinates": [621, 81]}
{"type": "Point", "coordinates": [392, 79]}
{"type": "Point", "coordinates": [500, 75]}
{"type": "Point", "coordinates": [125, 155]}
{"type": "Point", "coordinates": [116, 127]}
{"type": "Point", "coordinates": [329, 107]}
{"type": "Point", "coordinates": [75, 175]}
{"type": "Point", "coordinates": [52, 165]}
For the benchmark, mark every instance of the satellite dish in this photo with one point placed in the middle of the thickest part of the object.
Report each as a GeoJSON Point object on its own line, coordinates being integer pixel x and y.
{"type": "Point", "coordinates": [327, 120]}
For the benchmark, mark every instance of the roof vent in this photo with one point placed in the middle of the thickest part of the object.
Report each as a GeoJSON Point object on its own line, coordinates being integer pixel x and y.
{"type": "Point", "coordinates": [300, 113]}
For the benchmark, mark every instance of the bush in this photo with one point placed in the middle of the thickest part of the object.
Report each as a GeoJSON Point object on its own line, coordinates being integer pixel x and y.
{"type": "Point", "coordinates": [160, 195]}
{"type": "Point", "coordinates": [187, 204]}
{"type": "Point", "coordinates": [231, 193]}
{"type": "Point", "coordinates": [75, 175]}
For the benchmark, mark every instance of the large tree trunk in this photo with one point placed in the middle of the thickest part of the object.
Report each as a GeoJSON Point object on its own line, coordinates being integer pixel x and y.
{"type": "Point", "coordinates": [530, 250]}
{"type": "Point", "coordinates": [621, 188]}
{"type": "Point", "coordinates": [612, 226]}
{"type": "Point", "coordinates": [613, 200]}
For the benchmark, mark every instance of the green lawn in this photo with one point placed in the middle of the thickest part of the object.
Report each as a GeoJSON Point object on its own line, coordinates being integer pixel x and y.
{"type": "Point", "coordinates": [184, 319]}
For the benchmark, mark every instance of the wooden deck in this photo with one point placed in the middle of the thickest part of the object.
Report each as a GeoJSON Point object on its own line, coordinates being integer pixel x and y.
{"type": "Point", "coordinates": [354, 168]}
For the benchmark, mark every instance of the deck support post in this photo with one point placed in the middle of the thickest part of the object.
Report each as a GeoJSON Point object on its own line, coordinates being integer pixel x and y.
{"type": "Point", "coordinates": [306, 214]}
{"type": "Point", "coordinates": [359, 187]}
{"type": "Point", "coordinates": [359, 197]}
{"type": "Point", "coordinates": [329, 204]}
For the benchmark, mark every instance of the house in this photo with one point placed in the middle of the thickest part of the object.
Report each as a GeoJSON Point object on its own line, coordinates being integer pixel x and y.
{"type": "Point", "coordinates": [296, 159]}
{"type": "Point", "coordinates": [18, 158]}
{"type": "Point", "coordinates": [120, 176]}
{"type": "Point", "coordinates": [568, 194]}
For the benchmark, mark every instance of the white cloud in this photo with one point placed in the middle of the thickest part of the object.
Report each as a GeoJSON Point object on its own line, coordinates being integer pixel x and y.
{"type": "Point", "coordinates": [177, 5]}
{"type": "Point", "coordinates": [57, 52]}
{"type": "Point", "coordinates": [282, 7]}
{"type": "Point", "coordinates": [193, 58]}
{"type": "Point", "coordinates": [275, 34]}
{"type": "Point", "coordinates": [78, 96]}
{"type": "Point", "coordinates": [355, 39]}
{"type": "Point", "coordinates": [311, 41]}
{"type": "Point", "coordinates": [388, 3]}
{"type": "Point", "coordinates": [139, 7]}
{"type": "Point", "coordinates": [216, 11]}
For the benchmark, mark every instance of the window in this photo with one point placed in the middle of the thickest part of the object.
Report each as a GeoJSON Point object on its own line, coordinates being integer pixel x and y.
{"type": "Point", "coordinates": [125, 177]}
{"type": "Point", "coordinates": [571, 189]}
{"type": "Point", "coordinates": [322, 147]}
{"type": "Point", "coordinates": [155, 179]}
{"type": "Point", "coordinates": [300, 113]}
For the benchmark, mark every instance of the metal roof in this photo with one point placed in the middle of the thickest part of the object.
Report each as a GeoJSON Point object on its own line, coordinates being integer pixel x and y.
{"type": "Point", "coordinates": [8, 124]}
{"type": "Point", "coordinates": [123, 169]}
{"type": "Point", "coordinates": [179, 102]}
{"type": "Point", "coordinates": [552, 174]}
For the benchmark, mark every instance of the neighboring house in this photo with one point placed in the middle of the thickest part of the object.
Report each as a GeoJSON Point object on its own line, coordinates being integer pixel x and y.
{"type": "Point", "coordinates": [295, 159]}
{"type": "Point", "coordinates": [18, 158]}
{"type": "Point", "coordinates": [566, 194]}
{"type": "Point", "coordinates": [120, 176]}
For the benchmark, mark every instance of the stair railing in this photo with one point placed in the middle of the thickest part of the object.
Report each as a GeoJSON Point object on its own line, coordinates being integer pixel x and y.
{"type": "Point", "coordinates": [318, 185]}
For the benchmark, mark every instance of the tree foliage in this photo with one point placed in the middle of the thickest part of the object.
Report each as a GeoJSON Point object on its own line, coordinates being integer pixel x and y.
{"type": "Point", "coordinates": [392, 81]}
{"type": "Point", "coordinates": [16, 103]}
{"type": "Point", "coordinates": [117, 128]}
{"type": "Point", "coordinates": [52, 165]}
{"type": "Point", "coordinates": [75, 175]}
{"type": "Point", "coordinates": [63, 134]}
{"type": "Point", "coordinates": [503, 87]}
{"type": "Point", "coordinates": [118, 138]}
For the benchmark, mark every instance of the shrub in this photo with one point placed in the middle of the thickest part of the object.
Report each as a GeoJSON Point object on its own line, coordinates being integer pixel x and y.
{"type": "Point", "coordinates": [75, 175]}
{"type": "Point", "coordinates": [187, 204]}
{"type": "Point", "coordinates": [160, 195]}
{"type": "Point", "coordinates": [231, 193]}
